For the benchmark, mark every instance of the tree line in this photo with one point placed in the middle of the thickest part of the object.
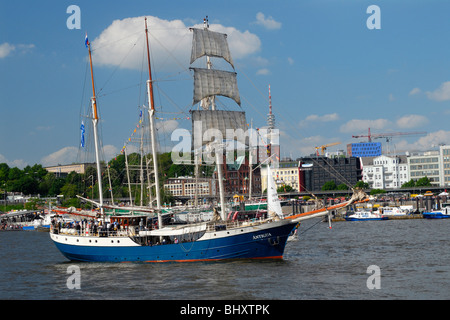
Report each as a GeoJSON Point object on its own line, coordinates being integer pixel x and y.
{"type": "Point", "coordinates": [36, 180]}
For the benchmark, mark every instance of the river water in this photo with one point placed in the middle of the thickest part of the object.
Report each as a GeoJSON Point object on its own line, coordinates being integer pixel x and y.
{"type": "Point", "coordinates": [412, 257]}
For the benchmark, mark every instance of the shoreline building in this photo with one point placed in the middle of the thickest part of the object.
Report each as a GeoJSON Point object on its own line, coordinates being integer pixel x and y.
{"type": "Point", "coordinates": [364, 149]}
{"type": "Point", "coordinates": [186, 186]}
{"type": "Point", "coordinates": [385, 172]}
{"type": "Point", "coordinates": [286, 174]}
{"type": "Point", "coordinates": [64, 170]}
{"type": "Point", "coordinates": [426, 164]}
{"type": "Point", "coordinates": [236, 178]}
{"type": "Point", "coordinates": [315, 171]}
{"type": "Point", "coordinates": [444, 177]}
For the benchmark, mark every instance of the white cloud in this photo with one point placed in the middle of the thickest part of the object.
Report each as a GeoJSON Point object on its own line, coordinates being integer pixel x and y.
{"type": "Point", "coordinates": [412, 121]}
{"type": "Point", "coordinates": [391, 97]}
{"type": "Point", "coordinates": [263, 72]}
{"type": "Point", "coordinates": [19, 163]}
{"type": "Point", "coordinates": [299, 146]}
{"type": "Point", "coordinates": [7, 49]}
{"type": "Point", "coordinates": [415, 91]}
{"type": "Point", "coordinates": [426, 143]}
{"type": "Point", "coordinates": [110, 151]}
{"type": "Point", "coordinates": [167, 126]}
{"type": "Point", "coordinates": [290, 61]}
{"type": "Point", "coordinates": [268, 23]}
{"type": "Point", "coordinates": [440, 94]}
{"type": "Point", "coordinates": [358, 125]}
{"type": "Point", "coordinates": [123, 43]}
{"type": "Point", "coordinates": [68, 155]}
{"type": "Point", "coordinates": [316, 118]}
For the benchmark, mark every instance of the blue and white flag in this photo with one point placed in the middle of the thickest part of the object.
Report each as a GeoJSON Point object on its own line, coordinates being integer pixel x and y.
{"type": "Point", "coordinates": [82, 134]}
{"type": "Point", "coordinates": [86, 41]}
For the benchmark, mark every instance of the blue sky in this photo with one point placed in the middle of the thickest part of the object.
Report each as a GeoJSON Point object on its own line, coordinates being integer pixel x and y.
{"type": "Point", "coordinates": [331, 77]}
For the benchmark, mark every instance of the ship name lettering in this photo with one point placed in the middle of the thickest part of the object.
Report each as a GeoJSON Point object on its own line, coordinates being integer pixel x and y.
{"type": "Point", "coordinates": [262, 236]}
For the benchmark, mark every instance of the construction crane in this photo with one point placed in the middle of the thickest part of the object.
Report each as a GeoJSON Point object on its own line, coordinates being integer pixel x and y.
{"type": "Point", "coordinates": [325, 146]}
{"type": "Point", "coordinates": [388, 136]}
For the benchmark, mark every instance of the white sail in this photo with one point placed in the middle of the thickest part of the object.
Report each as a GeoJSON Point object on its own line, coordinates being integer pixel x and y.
{"type": "Point", "coordinates": [209, 43]}
{"type": "Point", "coordinates": [220, 120]}
{"type": "Point", "coordinates": [209, 83]}
{"type": "Point", "coordinates": [273, 202]}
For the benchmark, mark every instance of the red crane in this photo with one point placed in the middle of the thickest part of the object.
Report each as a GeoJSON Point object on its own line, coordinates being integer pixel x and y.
{"type": "Point", "coordinates": [388, 135]}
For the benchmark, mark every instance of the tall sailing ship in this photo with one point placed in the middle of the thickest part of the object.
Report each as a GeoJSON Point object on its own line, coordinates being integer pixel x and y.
{"type": "Point", "coordinates": [217, 239]}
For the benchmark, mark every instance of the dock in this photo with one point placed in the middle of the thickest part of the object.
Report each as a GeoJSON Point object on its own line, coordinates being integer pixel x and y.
{"type": "Point", "coordinates": [406, 217]}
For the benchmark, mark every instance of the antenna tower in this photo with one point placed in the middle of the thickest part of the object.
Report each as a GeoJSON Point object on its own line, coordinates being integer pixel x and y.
{"type": "Point", "coordinates": [270, 116]}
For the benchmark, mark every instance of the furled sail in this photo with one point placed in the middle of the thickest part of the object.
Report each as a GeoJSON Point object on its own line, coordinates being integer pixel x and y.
{"type": "Point", "coordinates": [208, 83]}
{"type": "Point", "coordinates": [222, 122]}
{"type": "Point", "coordinates": [211, 44]}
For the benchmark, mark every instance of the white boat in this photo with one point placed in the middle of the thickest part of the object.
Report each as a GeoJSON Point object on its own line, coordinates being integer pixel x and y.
{"type": "Point", "coordinates": [443, 213]}
{"type": "Point", "coordinates": [391, 211]}
{"type": "Point", "coordinates": [365, 215]}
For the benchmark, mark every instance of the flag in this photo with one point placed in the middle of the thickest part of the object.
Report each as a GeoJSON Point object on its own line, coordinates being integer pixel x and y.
{"type": "Point", "coordinates": [86, 40]}
{"type": "Point", "coordinates": [82, 134]}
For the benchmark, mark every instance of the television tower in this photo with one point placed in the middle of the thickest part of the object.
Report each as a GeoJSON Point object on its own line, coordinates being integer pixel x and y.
{"type": "Point", "coordinates": [270, 116]}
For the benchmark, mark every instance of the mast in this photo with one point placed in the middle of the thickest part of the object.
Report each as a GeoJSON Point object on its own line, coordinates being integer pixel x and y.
{"type": "Point", "coordinates": [250, 164]}
{"type": "Point", "coordinates": [151, 113]}
{"type": "Point", "coordinates": [95, 123]}
{"type": "Point", "coordinates": [209, 83]}
{"type": "Point", "coordinates": [219, 155]}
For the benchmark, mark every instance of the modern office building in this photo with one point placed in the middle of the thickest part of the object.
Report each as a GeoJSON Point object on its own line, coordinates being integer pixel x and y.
{"type": "Point", "coordinates": [427, 164]}
{"type": "Point", "coordinates": [314, 172]}
{"type": "Point", "coordinates": [364, 149]}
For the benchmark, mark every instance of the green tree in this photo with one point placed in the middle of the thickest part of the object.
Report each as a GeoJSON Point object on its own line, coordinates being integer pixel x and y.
{"type": "Point", "coordinates": [423, 182]}
{"type": "Point", "coordinates": [4, 172]}
{"type": "Point", "coordinates": [342, 186]}
{"type": "Point", "coordinates": [362, 185]}
{"type": "Point", "coordinates": [377, 191]}
{"type": "Point", "coordinates": [329, 185]}
{"type": "Point", "coordinates": [410, 184]}
{"type": "Point", "coordinates": [69, 190]}
{"type": "Point", "coordinates": [285, 188]}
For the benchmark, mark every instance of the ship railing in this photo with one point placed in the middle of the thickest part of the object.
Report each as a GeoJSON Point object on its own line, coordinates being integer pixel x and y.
{"type": "Point", "coordinates": [230, 224]}
{"type": "Point", "coordinates": [88, 232]}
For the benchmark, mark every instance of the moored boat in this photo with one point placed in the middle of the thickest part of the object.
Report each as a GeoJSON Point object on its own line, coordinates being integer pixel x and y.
{"type": "Point", "coordinates": [443, 213]}
{"type": "Point", "coordinates": [365, 215]}
{"type": "Point", "coordinates": [391, 211]}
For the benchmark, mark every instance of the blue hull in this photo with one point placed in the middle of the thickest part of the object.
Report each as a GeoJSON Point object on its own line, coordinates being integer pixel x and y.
{"type": "Point", "coordinates": [264, 244]}
{"type": "Point", "coordinates": [431, 215]}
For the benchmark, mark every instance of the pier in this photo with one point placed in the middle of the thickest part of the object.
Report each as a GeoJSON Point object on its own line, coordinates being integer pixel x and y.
{"type": "Point", "coordinates": [406, 217]}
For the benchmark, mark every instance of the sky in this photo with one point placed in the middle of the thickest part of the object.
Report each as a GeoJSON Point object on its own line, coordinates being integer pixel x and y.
{"type": "Point", "coordinates": [335, 69]}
